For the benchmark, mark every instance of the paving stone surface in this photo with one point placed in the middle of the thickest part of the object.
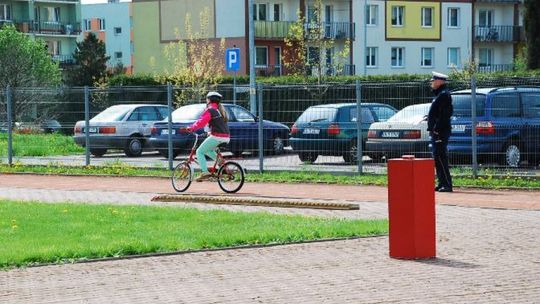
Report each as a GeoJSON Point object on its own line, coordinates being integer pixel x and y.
{"type": "Point", "coordinates": [484, 255]}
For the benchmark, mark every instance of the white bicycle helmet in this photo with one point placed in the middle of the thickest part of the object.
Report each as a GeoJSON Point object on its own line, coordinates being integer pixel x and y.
{"type": "Point", "coordinates": [214, 95]}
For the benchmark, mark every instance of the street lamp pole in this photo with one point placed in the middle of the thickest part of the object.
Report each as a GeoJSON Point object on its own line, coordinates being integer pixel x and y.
{"type": "Point", "coordinates": [251, 48]}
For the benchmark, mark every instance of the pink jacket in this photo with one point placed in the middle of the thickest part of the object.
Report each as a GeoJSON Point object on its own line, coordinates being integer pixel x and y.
{"type": "Point", "coordinates": [205, 119]}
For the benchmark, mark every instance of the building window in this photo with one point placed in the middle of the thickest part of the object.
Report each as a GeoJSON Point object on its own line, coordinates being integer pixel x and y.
{"type": "Point", "coordinates": [101, 23]}
{"type": "Point", "coordinates": [398, 12]}
{"type": "Point", "coordinates": [118, 55]}
{"type": "Point", "coordinates": [260, 11]}
{"type": "Point", "coordinates": [371, 56]}
{"type": "Point", "coordinates": [485, 57]}
{"type": "Point", "coordinates": [313, 56]}
{"type": "Point", "coordinates": [485, 18]}
{"type": "Point", "coordinates": [53, 14]}
{"type": "Point", "coordinates": [53, 47]}
{"type": "Point", "coordinates": [261, 56]}
{"type": "Point", "coordinates": [87, 25]}
{"type": "Point", "coordinates": [371, 14]}
{"type": "Point", "coordinates": [5, 12]}
{"type": "Point", "coordinates": [397, 57]}
{"type": "Point", "coordinates": [312, 17]}
{"type": "Point", "coordinates": [453, 17]}
{"type": "Point", "coordinates": [277, 12]}
{"type": "Point", "coordinates": [453, 57]}
{"type": "Point", "coordinates": [427, 16]}
{"type": "Point", "coordinates": [117, 30]}
{"type": "Point", "coordinates": [427, 57]}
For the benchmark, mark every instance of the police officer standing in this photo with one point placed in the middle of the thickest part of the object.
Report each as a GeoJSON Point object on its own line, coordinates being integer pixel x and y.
{"type": "Point", "coordinates": [439, 128]}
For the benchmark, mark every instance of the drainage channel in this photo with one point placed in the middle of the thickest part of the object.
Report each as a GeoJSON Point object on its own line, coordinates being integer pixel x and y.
{"type": "Point", "coordinates": [257, 201]}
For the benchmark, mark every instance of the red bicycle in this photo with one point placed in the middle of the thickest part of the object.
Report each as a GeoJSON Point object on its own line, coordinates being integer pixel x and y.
{"type": "Point", "coordinates": [229, 174]}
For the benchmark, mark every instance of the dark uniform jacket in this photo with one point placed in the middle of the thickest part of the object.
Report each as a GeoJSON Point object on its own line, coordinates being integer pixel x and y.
{"type": "Point", "coordinates": [440, 112]}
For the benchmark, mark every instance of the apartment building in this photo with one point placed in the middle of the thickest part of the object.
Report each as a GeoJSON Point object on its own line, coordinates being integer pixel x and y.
{"type": "Point", "coordinates": [157, 23]}
{"type": "Point", "coordinates": [57, 22]}
{"type": "Point", "coordinates": [111, 23]}
{"type": "Point", "coordinates": [498, 33]}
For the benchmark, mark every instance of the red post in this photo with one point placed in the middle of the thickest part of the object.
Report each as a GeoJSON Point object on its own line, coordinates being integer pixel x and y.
{"type": "Point", "coordinates": [411, 207]}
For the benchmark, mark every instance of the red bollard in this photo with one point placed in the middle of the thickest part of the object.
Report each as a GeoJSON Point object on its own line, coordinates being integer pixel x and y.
{"type": "Point", "coordinates": [411, 207]}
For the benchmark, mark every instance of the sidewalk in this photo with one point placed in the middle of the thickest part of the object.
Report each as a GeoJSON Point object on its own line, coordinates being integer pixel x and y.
{"type": "Point", "coordinates": [484, 255]}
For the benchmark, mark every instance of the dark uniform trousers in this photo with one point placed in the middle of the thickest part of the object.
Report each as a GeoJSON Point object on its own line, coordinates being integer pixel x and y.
{"type": "Point", "coordinates": [439, 148]}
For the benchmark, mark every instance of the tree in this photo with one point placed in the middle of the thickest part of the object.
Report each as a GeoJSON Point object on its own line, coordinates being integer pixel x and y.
{"type": "Point", "coordinates": [25, 63]}
{"type": "Point", "coordinates": [91, 62]}
{"type": "Point", "coordinates": [195, 62]}
{"type": "Point", "coordinates": [310, 44]}
{"type": "Point", "coordinates": [532, 32]}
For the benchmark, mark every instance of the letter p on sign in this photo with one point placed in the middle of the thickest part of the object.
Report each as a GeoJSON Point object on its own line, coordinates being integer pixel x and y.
{"type": "Point", "coordinates": [232, 59]}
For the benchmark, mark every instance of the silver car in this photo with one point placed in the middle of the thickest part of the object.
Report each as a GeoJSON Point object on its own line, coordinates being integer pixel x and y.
{"type": "Point", "coordinates": [126, 127]}
{"type": "Point", "coordinates": [404, 133]}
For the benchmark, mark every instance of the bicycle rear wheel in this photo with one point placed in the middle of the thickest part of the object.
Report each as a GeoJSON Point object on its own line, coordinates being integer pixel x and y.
{"type": "Point", "coordinates": [231, 177]}
{"type": "Point", "coordinates": [181, 177]}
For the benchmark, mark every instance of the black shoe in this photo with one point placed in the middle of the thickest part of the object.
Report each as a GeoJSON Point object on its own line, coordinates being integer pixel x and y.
{"type": "Point", "coordinates": [445, 189]}
{"type": "Point", "coordinates": [437, 188]}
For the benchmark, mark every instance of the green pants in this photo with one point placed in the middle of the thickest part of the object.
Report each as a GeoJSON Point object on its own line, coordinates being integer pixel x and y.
{"type": "Point", "coordinates": [208, 147]}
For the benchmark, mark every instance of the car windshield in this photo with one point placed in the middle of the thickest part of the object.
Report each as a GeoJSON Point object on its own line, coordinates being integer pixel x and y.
{"type": "Point", "coordinates": [462, 105]}
{"type": "Point", "coordinates": [414, 113]}
{"type": "Point", "coordinates": [114, 113]}
{"type": "Point", "coordinates": [317, 114]}
{"type": "Point", "coordinates": [188, 113]}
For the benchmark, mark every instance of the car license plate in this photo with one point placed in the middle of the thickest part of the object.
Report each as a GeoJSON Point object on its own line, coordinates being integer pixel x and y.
{"type": "Point", "coordinates": [458, 128]}
{"type": "Point", "coordinates": [390, 134]}
{"type": "Point", "coordinates": [311, 131]}
{"type": "Point", "coordinates": [92, 130]}
{"type": "Point", "coordinates": [166, 132]}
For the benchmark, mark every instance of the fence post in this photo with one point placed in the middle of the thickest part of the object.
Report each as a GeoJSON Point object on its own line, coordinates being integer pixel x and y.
{"type": "Point", "coordinates": [360, 136]}
{"type": "Point", "coordinates": [10, 125]}
{"type": "Point", "coordinates": [87, 123]}
{"type": "Point", "coordinates": [169, 126]}
{"type": "Point", "coordinates": [473, 128]}
{"type": "Point", "coordinates": [261, 118]}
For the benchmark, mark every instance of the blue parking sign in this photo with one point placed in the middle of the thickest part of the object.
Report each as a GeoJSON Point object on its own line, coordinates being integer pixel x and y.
{"type": "Point", "coordinates": [232, 59]}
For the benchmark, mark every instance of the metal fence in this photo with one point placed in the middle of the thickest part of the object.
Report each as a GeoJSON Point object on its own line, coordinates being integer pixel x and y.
{"type": "Point", "coordinates": [291, 127]}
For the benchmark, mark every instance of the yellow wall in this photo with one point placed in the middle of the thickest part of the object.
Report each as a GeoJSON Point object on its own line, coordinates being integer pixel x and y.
{"type": "Point", "coordinates": [173, 16]}
{"type": "Point", "coordinates": [412, 23]}
{"type": "Point", "coordinates": [146, 38]}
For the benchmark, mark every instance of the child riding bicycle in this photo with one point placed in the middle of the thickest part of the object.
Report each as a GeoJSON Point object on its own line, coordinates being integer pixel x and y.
{"type": "Point", "coordinates": [215, 116]}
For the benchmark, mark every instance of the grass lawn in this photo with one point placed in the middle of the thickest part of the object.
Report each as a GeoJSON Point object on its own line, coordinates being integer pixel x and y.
{"type": "Point", "coordinates": [40, 145]}
{"type": "Point", "coordinates": [34, 233]}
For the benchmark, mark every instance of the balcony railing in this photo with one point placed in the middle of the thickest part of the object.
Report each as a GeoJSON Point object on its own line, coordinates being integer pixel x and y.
{"type": "Point", "coordinates": [328, 30]}
{"type": "Point", "coordinates": [270, 70]}
{"type": "Point", "coordinates": [500, 1]}
{"type": "Point", "coordinates": [48, 27]}
{"type": "Point", "coordinates": [488, 68]}
{"type": "Point", "coordinates": [498, 33]}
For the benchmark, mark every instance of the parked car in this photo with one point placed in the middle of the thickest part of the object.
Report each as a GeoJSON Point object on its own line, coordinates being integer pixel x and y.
{"type": "Point", "coordinates": [243, 126]}
{"type": "Point", "coordinates": [507, 127]}
{"type": "Point", "coordinates": [125, 127]}
{"type": "Point", "coordinates": [332, 129]}
{"type": "Point", "coordinates": [404, 133]}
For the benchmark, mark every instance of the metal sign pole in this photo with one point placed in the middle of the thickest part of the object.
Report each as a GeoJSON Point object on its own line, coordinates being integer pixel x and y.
{"type": "Point", "coordinates": [234, 88]}
{"type": "Point", "coordinates": [169, 126]}
{"type": "Point", "coordinates": [87, 124]}
{"type": "Point", "coordinates": [10, 125]}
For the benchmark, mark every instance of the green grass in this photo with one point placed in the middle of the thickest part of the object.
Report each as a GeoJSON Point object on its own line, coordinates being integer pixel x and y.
{"type": "Point", "coordinates": [40, 145]}
{"type": "Point", "coordinates": [35, 233]}
{"type": "Point", "coordinates": [489, 179]}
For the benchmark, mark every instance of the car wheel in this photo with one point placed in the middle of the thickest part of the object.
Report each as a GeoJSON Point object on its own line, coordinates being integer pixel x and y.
{"type": "Point", "coordinates": [308, 157]}
{"type": "Point", "coordinates": [351, 155]}
{"type": "Point", "coordinates": [512, 155]}
{"type": "Point", "coordinates": [278, 145]}
{"type": "Point", "coordinates": [134, 147]}
{"type": "Point", "coordinates": [98, 152]}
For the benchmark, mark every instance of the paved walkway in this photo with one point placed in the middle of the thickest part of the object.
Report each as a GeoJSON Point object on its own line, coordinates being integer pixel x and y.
{"type": "Point", "coordinates": [485, 255]}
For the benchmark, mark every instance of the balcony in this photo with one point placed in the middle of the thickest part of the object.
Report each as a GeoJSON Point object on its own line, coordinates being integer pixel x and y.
{"type": "Point", "coordinates": [280, 29]}
{"type": "Point", "coordinates": [272, 29]}
{"type": "Point", "coordinates": [63, 60]}
{"type": "Point", "coordinates": [490, 68]}
{"type": "Point", "coordinates": [499, 33]}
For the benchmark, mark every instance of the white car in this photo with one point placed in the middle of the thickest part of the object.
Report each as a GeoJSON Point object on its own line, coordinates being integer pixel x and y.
{"type": "Point", "coordinates": [126, 127]}
{"type": "Point", "coordinates": [404, 133]}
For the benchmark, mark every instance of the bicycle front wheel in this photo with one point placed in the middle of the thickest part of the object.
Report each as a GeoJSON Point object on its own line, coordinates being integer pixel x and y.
{"type": "Point", "coordinates": [231, 177]}
{"type": "Point", "coordinates": [182, 176]}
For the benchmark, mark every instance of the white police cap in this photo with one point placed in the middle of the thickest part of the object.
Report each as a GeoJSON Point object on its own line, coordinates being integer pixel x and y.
{"type": "Point", "coordinates": [213, 94]}
{"type": "Point", "coordinates": [438, 76]}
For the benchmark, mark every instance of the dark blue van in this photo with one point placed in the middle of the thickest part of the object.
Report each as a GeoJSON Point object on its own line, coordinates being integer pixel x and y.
{"type": "Point", "coordinates": [507, 128]}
